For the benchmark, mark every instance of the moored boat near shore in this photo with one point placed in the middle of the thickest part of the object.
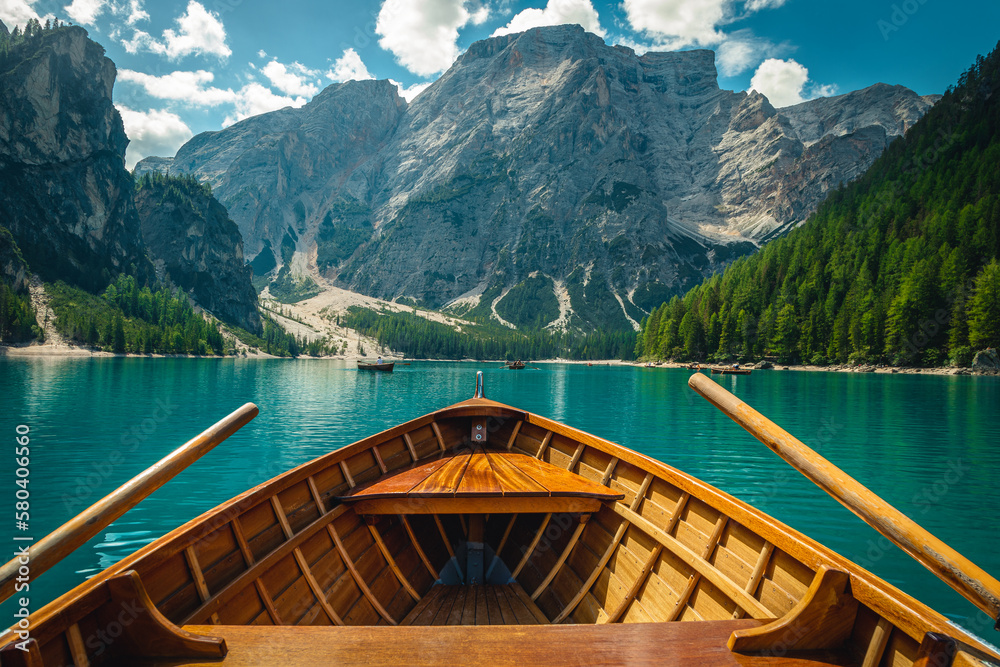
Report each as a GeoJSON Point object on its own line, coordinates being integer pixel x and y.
{"type": "Point", "coordinates": [436, 540]}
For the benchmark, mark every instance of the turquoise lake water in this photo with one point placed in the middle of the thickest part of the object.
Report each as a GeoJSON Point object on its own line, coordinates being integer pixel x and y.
{"type": "Point", "coordinates": [930, 445]}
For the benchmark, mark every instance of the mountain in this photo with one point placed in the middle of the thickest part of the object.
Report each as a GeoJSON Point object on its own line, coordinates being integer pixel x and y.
{"type": "Point", "coordinates": [70, 204]}
{"type": "Point", "coordinates": [195, 245]}
{"type": "Point", "coordinates": [614, 180]}
{"type": "Point", "coordinates": [900, 266]}
{"type": "Point", "coordinates": [64, 192]}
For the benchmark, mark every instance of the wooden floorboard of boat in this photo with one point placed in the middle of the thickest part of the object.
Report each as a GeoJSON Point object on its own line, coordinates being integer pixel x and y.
{"type": "Point", "coordinates": [696, 643]}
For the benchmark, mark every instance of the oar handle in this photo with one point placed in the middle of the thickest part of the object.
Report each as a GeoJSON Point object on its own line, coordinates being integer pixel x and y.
{"type": "Point", "coordinates": [52, 548]}
{"type": "Point", "coordinates": [950, 566]}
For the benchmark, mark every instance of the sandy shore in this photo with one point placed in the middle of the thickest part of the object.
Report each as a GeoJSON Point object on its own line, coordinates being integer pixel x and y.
{"type": "Point", "coordinates": [64, 350]}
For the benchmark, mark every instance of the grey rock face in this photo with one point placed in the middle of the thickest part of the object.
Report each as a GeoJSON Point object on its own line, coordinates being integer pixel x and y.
{"type": "Point", "coordinates": [986, 361]}
{"type": "Point", "coordinates": [190, 235]}
{"type": "Point", "coordinates": [64, 192]}
{"type": "Point", "coordinates": [545, 151]}
{"type": "Point", "coordinates": [13, 269]}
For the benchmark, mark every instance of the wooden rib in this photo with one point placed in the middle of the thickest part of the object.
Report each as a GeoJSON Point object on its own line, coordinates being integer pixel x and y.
{"type": "Point", "coordinates": [378, 459]}
{"type": "Point", "coordinates": [409, 445]}
{"type": "Point", "coordinates": [758, 574]}
{"type": "Point", "coordinates": [260, 567]}
{"type": "Point", "coordinates": [619, 534]}
{"type": "Point", "coordinates": [420, 551]}
{"type": "Point", "coordinates": [605, 557]}
{"type": "Point", "coordinates": [316, 588]}
{"type": "Point", "coordinates": [641, 493]}
{"type": "Point", "coordinates": [513, 435]}
{"type": "Point", "coordinates": [576, 457]}
{"type": "Point", "coordinates": [358, 579]}
{"type": "Point", "coordinates": [265, 597]}
{"type": "Point", "coordinates": [76, 647]}
{"type": "Point", "coordinates": [544, 445]}
{"type": "Point", "coordinates": [199, 579]}
{"type": "Point", "coordinates": [392, 563]}
{"type": "Point", "coordinates": [718, 579]}
{"type": "Point", "coordinates": [562, 557]}
{"type": "Point", "coordinates": [320, 505]}
{"type": "Point", "coordinates": [676, 516]}
{"type": "Point", "coordinates": [347, 474]}
{"type": "Point", "coordinates": [880, 637]}
{"type": "Point", "coordinates": [444, 535]}
{"type": "Point", "coordinates": [612, 464]}
{"type": "Point", "coordinates": [437, 434]}
{"type": "Point", "coordinates": [640, 579]}
{"type": "Point", "coordinates": [531, 606]}
{"type": "Point", "coordinates": [506, 533]}
{"type": "Point", "coordinates": [531, 547]}
{"type": "Point", "coordinates": [279, 512]}
{"type": "Point", "coordinates": [692, 582]}
{"type": "Point", "coordinates": [241, 540]}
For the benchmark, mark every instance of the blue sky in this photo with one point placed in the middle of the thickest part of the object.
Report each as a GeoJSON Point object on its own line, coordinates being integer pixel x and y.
{"type": "Point", "coordinates": [196, 65]}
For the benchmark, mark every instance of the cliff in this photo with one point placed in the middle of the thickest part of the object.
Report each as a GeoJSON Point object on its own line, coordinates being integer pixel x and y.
{"type": "Point", "coordinates": [197, 247]}
{"type": "Point", "coordinates": [64, 192]}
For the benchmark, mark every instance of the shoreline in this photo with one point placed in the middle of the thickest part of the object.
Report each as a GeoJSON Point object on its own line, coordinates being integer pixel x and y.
{"type": "Point", "coordinates": [73, 351]}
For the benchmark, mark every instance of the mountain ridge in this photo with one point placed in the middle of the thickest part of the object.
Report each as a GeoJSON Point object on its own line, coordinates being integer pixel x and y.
{"type": "Point", "coordinates": [543, 151]}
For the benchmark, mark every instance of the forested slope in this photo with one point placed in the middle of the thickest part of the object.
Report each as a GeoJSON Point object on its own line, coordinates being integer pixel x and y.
{"type": "Point", "coordinates": [900, 266]}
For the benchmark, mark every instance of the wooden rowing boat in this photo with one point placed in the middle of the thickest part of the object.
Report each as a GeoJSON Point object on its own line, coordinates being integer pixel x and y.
{"type": "Point", "coordinates": [387, 367]}
{"type": "Point", "coordinates": [516, 365]}
{"type": "Point", "coordinates": [731, 371]}
{"type": "Point", "coordinates": [438, 541]}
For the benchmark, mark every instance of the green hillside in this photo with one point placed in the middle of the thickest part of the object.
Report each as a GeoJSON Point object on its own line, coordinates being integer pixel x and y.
{"type": "Point", "coordinates": [898, 267]}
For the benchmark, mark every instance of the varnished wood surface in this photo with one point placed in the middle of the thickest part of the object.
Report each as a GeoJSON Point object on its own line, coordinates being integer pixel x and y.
{"type": "Point", "coordinates": [475, 605]}
{"type": "Point", "coordinates": [971, 581]}
{"type": "Point", "coordinates": [246, 553]}
{"type": "Point", "coordinates": [638, 644]}
{"type": "Point", "coordinates": [482, 473]}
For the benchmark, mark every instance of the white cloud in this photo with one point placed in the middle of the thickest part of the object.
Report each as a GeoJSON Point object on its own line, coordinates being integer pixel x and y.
{"type": "Point", "coordinates": [781, 81]}
{"type": "Point", "coordinates": [423, 34]}
{"type": "Point", "coordinates": [291, 79]}
{"type": "Point", "coordinates": [262, 54]}
{"type": "Point", "coordinates": [85, 11]}
{"type": "Point", "coordinates": [349, 67]}
{"type": "Point", "coordinates": [741, 51]}
{"type": "Point", "coordinates": [757, 5]}
{"type": "Point", "coordinates": [17, 12]}
{"type": "Point", "coordinates": [556, 12]}
{"type": "Point", "coordinates": [153, 132]}
{"type": "Point", "coordinates": [199, 32]}
{"type": "Point", "coordinates": [686, 22]}
{"type": "Point", "coordinates": [135, 12]}
{"type": "Point", "coordinates": [409, 92]}
{"type": "Point", "coordinates": [254, 99]}
{"type": "Point", "coordinates": [191, 87]}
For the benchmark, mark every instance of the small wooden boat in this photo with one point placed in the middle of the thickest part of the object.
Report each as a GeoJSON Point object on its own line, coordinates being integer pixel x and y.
{"type": "Point", "coordinates": [731, 371]}
{"type": "Point", "coordinates": [516, 365]}
{"type": "Point", "coordinates": [484, 534]}
{"type": "Point", "coordinates": [386, 367]}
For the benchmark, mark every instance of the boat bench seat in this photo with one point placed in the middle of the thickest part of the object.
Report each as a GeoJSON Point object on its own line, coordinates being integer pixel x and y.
{"type": "Point", "coordinates": [483, 480]}
{"type": "Point", "coordinates": [694, 643]}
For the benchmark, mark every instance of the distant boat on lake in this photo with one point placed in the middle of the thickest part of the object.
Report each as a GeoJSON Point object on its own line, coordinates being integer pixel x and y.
{"type": "Point", "coordinates": [386, 367]}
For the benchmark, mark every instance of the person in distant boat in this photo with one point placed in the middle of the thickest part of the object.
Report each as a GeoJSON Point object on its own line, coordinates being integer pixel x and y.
{"type": "Point", "coordinates": [379, 359]}
{"type": "Point", "coordinates": [736, 365]}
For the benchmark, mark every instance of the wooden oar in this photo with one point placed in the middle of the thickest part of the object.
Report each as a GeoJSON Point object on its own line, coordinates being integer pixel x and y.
{"type": "Point", "coordinates": [67, 538]}
{"type": "Point", "coordinates": [950, 566]}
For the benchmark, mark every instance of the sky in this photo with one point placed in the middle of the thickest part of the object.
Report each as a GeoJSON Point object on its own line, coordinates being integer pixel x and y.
{"type": "Point", "coordinates": [190, 66]}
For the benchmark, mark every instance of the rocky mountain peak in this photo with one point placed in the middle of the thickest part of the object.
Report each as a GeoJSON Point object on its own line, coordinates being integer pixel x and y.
{"type": "Point", "coordinates": [619, 179]}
